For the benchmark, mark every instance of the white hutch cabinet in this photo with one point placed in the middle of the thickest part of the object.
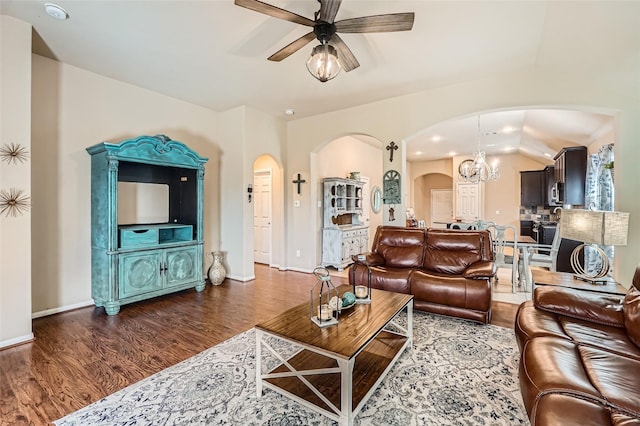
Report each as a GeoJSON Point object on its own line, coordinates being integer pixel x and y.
{"type": "Point", "coordinates": [344, 234]}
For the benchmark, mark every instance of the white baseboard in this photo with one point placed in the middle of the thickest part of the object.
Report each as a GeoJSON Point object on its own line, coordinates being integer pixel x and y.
{"type": "Point", "coordinates": [241, 279]}
{"type": "Point", "coordinates": [61, 309]}
{"type": "Point", "coordinates": [16, 341]}
{"type": "Point", "coordinates": [306, 271]}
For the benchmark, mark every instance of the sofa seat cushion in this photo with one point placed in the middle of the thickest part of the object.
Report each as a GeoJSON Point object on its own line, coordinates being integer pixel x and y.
{"type": "Point", "coordinates": [615, 377]}
{"type": "Point", "coordinates": [451, 290]}
{"type": "Point", "coordinates": [557, 409]}
{"type": "Point", "coordinates": [553, 365]}
{"type": "Point", "coordinates": [382, 278]}
{"type": "Point", "coordinates": [550, 364]}
{"type": "Point", "coordinates": [610, 339]}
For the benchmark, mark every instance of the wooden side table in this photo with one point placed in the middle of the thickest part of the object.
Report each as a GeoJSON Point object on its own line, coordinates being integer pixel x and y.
{"type": "Point", "coordinates": [564, 279]}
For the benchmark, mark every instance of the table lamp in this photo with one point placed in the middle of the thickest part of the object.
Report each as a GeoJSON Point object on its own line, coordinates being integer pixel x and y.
{"type": "Point", "coordinates": [593, 227]}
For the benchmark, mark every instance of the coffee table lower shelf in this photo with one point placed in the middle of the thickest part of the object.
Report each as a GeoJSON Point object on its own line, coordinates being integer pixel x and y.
{"type": "Point", "coordinates": [336, 387]}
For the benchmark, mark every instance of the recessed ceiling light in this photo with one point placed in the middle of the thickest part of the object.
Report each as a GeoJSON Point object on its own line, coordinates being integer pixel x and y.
{"type": "Point", "coordinates": [452, 153]}
{"type": "Point", "coordinates": [436, 138]}
{"type": "Point", "coordinates": [289, 111]}
{"type": "Point", "coordinates": [508, 129]}
{"type": "Point", "coordinates": [418, 152]}
{"type": "Point", "coordinates": [546, 154]}
{"type": "Point", "coordinates": [55, 11]}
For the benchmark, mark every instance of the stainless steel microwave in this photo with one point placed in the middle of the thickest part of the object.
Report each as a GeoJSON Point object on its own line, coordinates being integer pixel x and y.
{"type": "Point", "coordinates": [556, 194]}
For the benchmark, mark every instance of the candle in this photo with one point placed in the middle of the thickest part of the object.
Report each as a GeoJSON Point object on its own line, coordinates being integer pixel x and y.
{"type": "Point", "coordinates": [361, 291]}
{"type": "Point", "coordinates": [324, 312]}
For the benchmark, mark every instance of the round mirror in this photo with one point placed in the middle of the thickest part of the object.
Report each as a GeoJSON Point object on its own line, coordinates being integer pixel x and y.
{"type": "Point", "coordinates": [376, 199]}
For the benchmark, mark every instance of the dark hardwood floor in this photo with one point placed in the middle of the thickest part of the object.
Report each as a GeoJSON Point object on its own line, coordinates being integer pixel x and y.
{"type": "Point", "coordinates": [80, 356]}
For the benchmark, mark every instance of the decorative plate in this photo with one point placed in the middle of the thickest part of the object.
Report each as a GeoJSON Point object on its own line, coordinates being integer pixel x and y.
{"type": "Point", "coordinates": [348, 306]}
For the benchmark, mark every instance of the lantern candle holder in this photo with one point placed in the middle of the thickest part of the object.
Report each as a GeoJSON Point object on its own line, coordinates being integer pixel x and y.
{"type": "Point", "coordinates": [321, 313]}
{"type": "Point", "coordinates": [363, 292]}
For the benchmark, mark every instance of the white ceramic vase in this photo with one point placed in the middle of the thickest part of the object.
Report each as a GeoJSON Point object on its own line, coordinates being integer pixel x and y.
{"type": "Point", "coordinates": [216, 272]}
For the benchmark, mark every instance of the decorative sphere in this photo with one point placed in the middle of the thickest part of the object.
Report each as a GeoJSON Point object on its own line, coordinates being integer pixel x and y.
{"type": "Point", "coordinates": [348, 298]}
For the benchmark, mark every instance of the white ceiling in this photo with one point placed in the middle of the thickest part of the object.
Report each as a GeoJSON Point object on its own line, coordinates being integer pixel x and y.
{"type": "Point", "coordinates": [213, 53]}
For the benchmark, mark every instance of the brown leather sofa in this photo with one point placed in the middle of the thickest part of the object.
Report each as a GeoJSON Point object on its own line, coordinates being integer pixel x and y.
{"type": "Point", "coordinates": [580, 356]}
{"type": "Point", "coordinates": [448, 272]}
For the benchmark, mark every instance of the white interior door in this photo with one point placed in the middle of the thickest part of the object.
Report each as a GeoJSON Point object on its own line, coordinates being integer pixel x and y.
{"type": "Point", "coordinates": [441, 207]}
{"type": "Point", "coordinates": [262, 216]}
{"type": "Point", "coordinates": [467, 201]}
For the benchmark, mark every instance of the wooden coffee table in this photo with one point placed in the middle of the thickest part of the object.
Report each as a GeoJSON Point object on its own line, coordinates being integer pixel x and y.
{"type": "Point", "coordinates": [336, 369]}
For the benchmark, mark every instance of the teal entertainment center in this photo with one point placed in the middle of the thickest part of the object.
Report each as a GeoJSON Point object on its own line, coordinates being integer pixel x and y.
{"type": "Point", "coordinates": [145, 253]}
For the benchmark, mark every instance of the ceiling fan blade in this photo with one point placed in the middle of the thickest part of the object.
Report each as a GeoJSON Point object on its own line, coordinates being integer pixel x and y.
{"type": "Point", "coordinates": [329, 9]}
{"type": "Point", "coordinates": [377, 23]}
{"type": "Point", "coordinates": [292, 47]}
{"type": "Point", "coordinates": [274, 11]}
{"type": "Point", "coordinates": [346, 57]}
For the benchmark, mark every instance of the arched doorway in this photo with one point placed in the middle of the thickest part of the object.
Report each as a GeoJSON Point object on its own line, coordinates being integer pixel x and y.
{"type": "Point", "coordinates": [340, 157]}
{"type": "Point", "coordinates": [433, 198]}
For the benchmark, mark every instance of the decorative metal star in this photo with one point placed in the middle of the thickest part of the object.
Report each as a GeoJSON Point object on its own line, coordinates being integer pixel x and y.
{"type": "Point", "coordinates": [13, 153]}
{"type": "Point", "coordinates": [13, 202]}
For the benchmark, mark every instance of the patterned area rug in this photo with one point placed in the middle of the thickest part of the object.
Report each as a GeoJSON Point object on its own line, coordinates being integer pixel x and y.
{"type": "Point", "coordinates": [458, 373]}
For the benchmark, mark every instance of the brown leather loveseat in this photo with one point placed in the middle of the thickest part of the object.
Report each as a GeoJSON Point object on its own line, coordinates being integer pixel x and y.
{"type": "Point", "coordinates": [580, 356]}
{"type": "Point", "coordinates": [448, 272]}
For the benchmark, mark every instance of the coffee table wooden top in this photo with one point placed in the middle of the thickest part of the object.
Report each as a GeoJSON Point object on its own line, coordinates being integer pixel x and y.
{"type": "Point", "coordinates": [565, 279]}
{"type": "Point", "coordinates": [356, 326]}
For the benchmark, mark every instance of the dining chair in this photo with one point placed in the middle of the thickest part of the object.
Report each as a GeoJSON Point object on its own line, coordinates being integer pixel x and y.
{"type": "Point", "coordinates": [505, 240]}
{"type": "Point", "coordinates": [481, 224]}
{"type": "Point", "coordinates": [545, 255]}
{"type": "Point", "coordinates": [542, 255]}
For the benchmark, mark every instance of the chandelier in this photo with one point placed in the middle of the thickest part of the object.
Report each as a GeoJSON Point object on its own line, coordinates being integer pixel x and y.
{"type": "Point", "coordinates": [479, 170]}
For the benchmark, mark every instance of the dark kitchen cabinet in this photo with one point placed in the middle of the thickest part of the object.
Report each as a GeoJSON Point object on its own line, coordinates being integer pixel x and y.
{"type": "Point", "coordinates": [570, 170]}
{"type": "Point", "coordinates": [531, 184]}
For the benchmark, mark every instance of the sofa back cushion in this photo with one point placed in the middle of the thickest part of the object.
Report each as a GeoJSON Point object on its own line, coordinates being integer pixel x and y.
{"type": "Point", "coordinates": [452, 251]}
{"type": "Point", "coordinates": [631, 309]}
{"type": "Point", "coordinates": [400, 247]}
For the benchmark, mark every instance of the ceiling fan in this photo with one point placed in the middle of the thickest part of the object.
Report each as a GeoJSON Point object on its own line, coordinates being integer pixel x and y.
{"type": "Point", "coordinates": [332, 53]}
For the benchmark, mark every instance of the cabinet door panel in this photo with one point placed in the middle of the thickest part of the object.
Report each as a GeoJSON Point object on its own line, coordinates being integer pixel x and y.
{"type": "Point", "coordinates": [140, 273]}
{"type": "Point", "coordinates": [180, 265]}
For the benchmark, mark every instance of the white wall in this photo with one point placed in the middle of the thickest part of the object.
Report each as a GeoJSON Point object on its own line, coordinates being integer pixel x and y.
{"type": "Point", "coordinates": [246, 134]}
{"type": "Point", "coordinates": [398, 118]}
{"type": "Point", "coordinates": [15, 232]}
{"type": "Point", "coordinates": [72, 110]}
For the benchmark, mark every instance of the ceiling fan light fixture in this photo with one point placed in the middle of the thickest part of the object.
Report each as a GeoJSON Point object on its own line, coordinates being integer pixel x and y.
{"type": "Point", "coordinates": [323, 63]}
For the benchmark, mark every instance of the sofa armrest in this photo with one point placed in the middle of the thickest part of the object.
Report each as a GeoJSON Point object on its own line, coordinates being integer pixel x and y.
{"type": "Point", "coordinates": [585, 305]}
{"type": "Point", "coordinates": [480, 270]}
{"type": "Point", "coordinates": [368, 259]}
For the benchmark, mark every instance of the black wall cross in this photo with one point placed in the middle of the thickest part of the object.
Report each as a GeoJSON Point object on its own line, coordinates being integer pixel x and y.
{"type": "Point", "coordinates": [299, 182]}
{"type": "Point", "coordinates": [392, 147]}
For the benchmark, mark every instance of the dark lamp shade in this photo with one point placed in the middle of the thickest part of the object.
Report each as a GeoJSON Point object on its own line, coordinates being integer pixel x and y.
{"type": "Point", "coordinates": [595, 226]}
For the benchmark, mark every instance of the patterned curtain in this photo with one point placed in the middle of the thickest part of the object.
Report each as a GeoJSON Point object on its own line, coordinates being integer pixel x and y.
{"type": "Point", "coordinates": [599, 195]}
